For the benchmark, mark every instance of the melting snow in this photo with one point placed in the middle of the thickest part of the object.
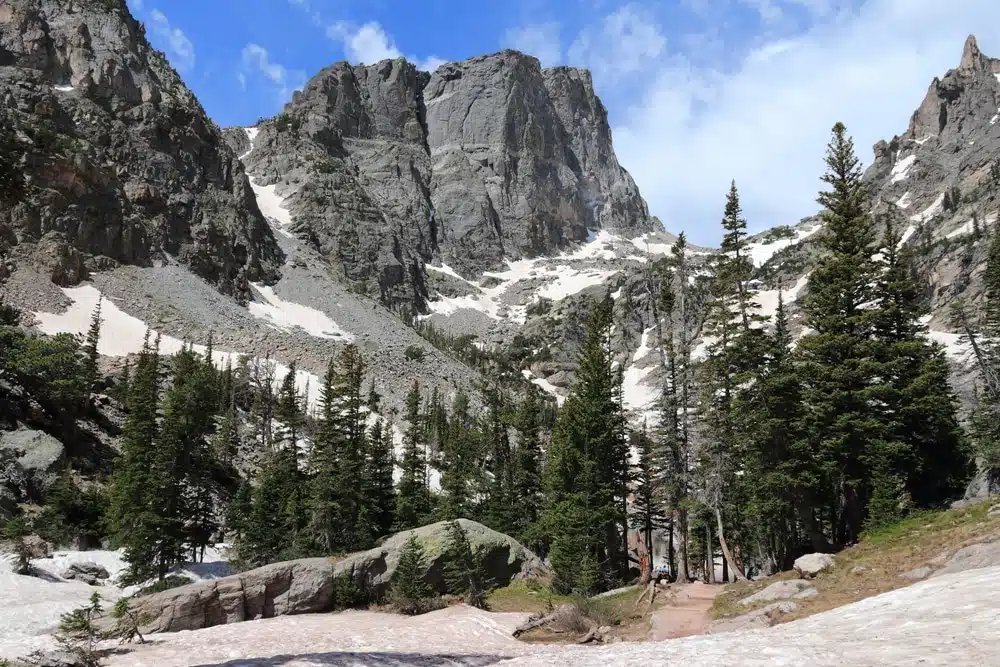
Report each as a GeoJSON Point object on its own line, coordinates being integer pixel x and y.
{"type": "Point", "coordinates": [64, 89]}
{"type": "Point", "coordinates": [545, 386]}
{"type": "Point", "coordinates": [924, 140]}
{"type": "Point", "coordinates": [902, 168]}
{"type": "Point", "coordinates": [122, 335]}
{"type": "Point", "coordinates": [768, 299]}
{"type": "Point", "coordinates": [906, 236]}
{"type": "Point", "coordinates": [761, 252]}
{"type": "Point", "coordinates": [995, 118]}
{"type": "Point", "coordinates": [32, 605]}
{"type": "Point", "coordinates": [968, 227]}
{"type": "Point", "coordinates": [560, 281]}
{"type": "Point", "coordinates": [936, 207]}
{"type": "Point", "coordinates": [286, 315]}
{"type": "Point", "coordinates": [904, 201]}
{"type": "Point", "coordinates": [271, 204]}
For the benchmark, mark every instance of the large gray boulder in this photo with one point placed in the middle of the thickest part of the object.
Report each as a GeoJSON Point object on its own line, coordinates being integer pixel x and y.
{"type": "Point", "coordinates": [764, 617]}
{"type": "Point", "coordinates": [782, 590]}
{"type": "Point", "coordinates": [311, 585]}
{"type": "Point", "coordinates": [972, 557]}
{"type": "Point", "coordinates": [810, 565]}
{"type": "Point", "coordinates": [29, 461]}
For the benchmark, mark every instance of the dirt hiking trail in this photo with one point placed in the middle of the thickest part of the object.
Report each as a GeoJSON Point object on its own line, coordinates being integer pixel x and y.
{"type": "Point", "coordinates": [686, 612]}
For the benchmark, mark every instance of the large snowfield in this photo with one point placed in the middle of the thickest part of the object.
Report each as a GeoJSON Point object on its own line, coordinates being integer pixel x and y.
{"type": "Point", "coordinates": [949, 620]}
{"type": "Point", "coordinates": [31, 606]}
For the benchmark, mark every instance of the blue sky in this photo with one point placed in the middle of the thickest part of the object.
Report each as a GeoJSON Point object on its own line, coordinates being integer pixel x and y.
{"type": "Point", "coordinates": [698, 91]}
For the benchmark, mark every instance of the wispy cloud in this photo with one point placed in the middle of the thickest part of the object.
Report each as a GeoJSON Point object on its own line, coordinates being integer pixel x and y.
{"type": "Point", "coordinates": [538, 39]}
{"type": "Point", "coordinates": [764, 116]}
{"type": "Point", "coordinates": [369, 43]}
{"type": "Point", "coordinates": [284, 81]}
{"type": "Point", "coordinates": [625, 42]}
{"type": "Point", "coordinates": [179, 49]}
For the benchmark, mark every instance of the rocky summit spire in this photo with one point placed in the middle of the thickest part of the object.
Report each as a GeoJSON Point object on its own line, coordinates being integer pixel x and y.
{"type": "Point", "coordinates": [971, 56]}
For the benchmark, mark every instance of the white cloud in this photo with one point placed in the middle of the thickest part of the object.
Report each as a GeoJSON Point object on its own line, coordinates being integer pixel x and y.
{"type": "Point", "coordinates": [369, 44]}
{"type": "Point", "coordinates": [539, 39]}
{"type": "Point", "coordinates": [627, 41]}
{"type": "Point", "coordinates": [135, 5]}
{"type": "Point", "coordinates": [177, 46]}
{"type": "Point", "coordinates": [257, 58]}
{"type": "Point", "coordinates": [766, 120]}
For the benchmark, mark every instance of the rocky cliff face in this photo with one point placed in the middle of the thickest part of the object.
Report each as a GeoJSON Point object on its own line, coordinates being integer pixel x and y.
{"type": "Point", "coordinates": [122, 165]}
{"type": "Point", "coordinates": [385, 168]}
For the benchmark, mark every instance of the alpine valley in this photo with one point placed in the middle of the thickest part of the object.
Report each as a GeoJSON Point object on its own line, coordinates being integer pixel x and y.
{"type": "Point", "coordinates": [430, 248]}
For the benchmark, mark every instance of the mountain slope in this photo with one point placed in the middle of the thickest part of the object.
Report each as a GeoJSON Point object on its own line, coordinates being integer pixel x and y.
{"type": "Point", "coordinates": [124, 167]}
{"type": "Point", "coordinates": [386, 168]}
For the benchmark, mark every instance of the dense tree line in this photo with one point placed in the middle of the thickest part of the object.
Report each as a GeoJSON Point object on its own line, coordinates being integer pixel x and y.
{"type": "Point", "coordinates": [769, 441]}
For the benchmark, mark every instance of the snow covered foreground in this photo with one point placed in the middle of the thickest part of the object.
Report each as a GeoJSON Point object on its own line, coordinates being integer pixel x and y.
{"type": "Point", "coordinates": [30, 607]}
{"type": "Point", "coordinates": [950, 620]}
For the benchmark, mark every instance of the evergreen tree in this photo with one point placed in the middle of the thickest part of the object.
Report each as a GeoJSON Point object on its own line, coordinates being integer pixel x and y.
{"type": "Point", "coordinates": [733, 359]}
{"type": "Point", "coordinates": [500, 506]}
{"type": "Point", "coordinates": [351, 454]}
{"type": "Point", "coordinates": [784, 489]}
{"type": "Point", "coordinates": [459, 462]}
{"type": "Point", "coordinates": [837, 356]}
{"type": "Point", "coordinates": [462, 568]}
{"type": "Point", "coordinates": [412, 501]}
{"type": "Point", "coordinates": [379, 493]}
{"type": "Point", "coordinates": [650, 478]}
{"type": "Point", "coordinates": [527, 465]}
{"type": "Point", "coordinates": [132, 515]}
{"type": "Point", "coordinates": [80, 635]}
{"type": "Point", "coordinates": [325, 527]}
{"type": "Point", "coordinates": [587, 471]}
{"type": "Point", "coordinates": [410, 593]}
{"type": "Point", "coordinates": [239, 510]}
{"type": "Point", "coordinates": [90, 353]}
{"type": "Point", "coordinates": [925, 460]}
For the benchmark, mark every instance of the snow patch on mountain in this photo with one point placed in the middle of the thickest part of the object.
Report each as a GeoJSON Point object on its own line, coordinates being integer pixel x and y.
{"type": "Point", "coordinates": [761, 252]}
{"type": "Point", "coordinates": [936, 207]}
{"type": "Point", "coordinates": [969, 227]}
{"type": "Point", "coordinates": [904, 201]}
{"type": "Point", "coordinates": [122, 335]}
{"type": "Point", "coordinates": [768, 299]}
{"type": "Point", "coordinates": [556, 279]}
{"type": "Point", "coordinates": [286, 316]}
{"type": "Point", "coordinates": [545, 386]}
{"type": "Point", "coordinates": [902, 168]}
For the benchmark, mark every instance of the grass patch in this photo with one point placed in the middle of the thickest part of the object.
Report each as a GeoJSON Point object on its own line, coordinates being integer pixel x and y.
{"type": "Point", "coordinates": [874, 565]}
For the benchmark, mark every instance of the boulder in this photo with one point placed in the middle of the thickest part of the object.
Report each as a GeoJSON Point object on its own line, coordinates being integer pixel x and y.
{"type": "Point", "coordinates": [310, 585]}
{"type": "Point", "coordinates": [764, 617]}
{"type": "Point", "coordinates": [782, 590]}
{"type": "Point", "coordinates": [972, 557]}
{"type": "Point", "coordinates": [810, 565]}
{"type": "Point", "coordinates": [88, 573]}
{"type": "Point", "coordinates": [37, 547]}
{"type": "Point", "coordinates": [917, 574]}
{"type": "Point", "coordinates": [31, 461]}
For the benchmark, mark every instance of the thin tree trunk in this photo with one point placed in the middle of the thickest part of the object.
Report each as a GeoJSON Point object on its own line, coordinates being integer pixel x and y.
{"type": "Point", "coordinates": [671, 560]}
{"type": "Point", "coordinates": [725, 549]}
{"type": "Point", "coordinates": [709, 553]}
{"type": "Point", "coordinates": [725, 571]}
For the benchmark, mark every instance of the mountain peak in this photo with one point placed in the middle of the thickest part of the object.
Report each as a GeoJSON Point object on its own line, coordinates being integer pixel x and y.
{"type": "Point", "coordinates": [971, 56]}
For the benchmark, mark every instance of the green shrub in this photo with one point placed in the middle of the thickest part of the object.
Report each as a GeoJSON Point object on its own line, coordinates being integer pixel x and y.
{"type": "Point", "coordinates": [168, 582]}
